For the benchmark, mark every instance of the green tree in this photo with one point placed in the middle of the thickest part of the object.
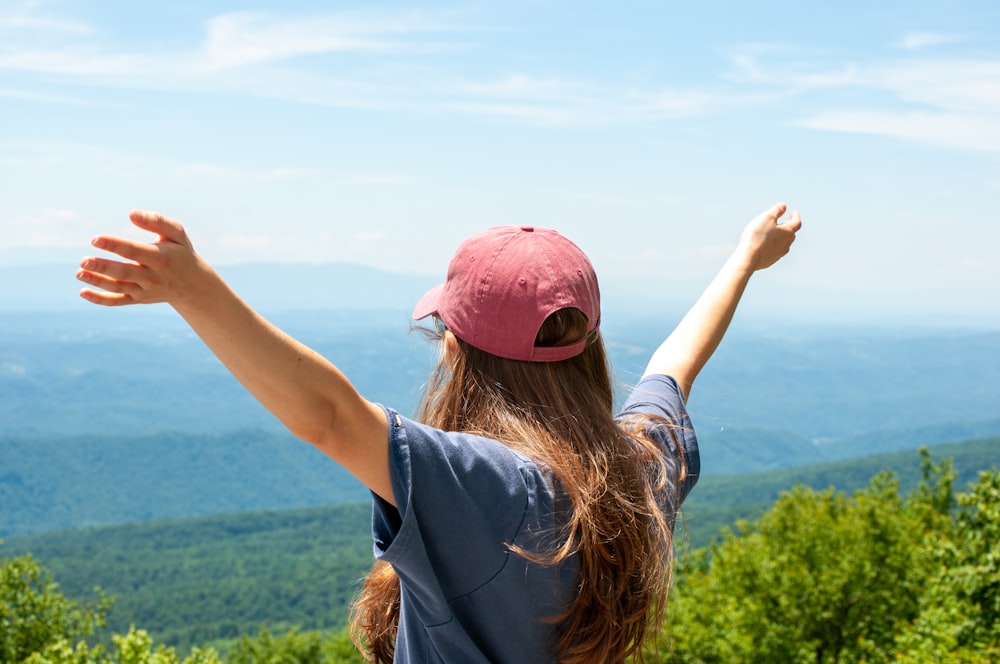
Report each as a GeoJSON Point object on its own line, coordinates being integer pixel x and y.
{"type": "Point", "coordinates": [136, 647]}
{"type": "Point", "coordinates": [35, 614]}
{"type": "Point", "coordinates": [295, 647]}
{"type": "Point", "coordinates": [959, 619]}
{"type": "Point", "coordinates": [40, 625]}
{"type": "Point", "coordinates": [820, 577]}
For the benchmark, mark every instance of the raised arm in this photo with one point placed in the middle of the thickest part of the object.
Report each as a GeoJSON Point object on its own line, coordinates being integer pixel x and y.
{"type": "Point", "coordinates": [684, 353]}
{"type": "Point", "coordinates": [305, 391]}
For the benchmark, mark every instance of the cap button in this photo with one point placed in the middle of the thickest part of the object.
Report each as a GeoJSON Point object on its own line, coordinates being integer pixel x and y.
{"type": "Point", "coordinates": [528, 229]}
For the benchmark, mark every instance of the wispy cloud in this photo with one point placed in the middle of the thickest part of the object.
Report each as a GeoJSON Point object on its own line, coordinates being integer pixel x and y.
{"type": "Point", "coordinates": [599, 198]}
{"type": "Point", "coordinates": [949, 102]}
{"type": "Point", "coordinates": [244, 38]}
{"type": "Point", "coordinates": [51, 98]}
{"type": "Point", "coordinates": [369, 236]}
{"type": "Point", "coordinates": [371, 59]}
{"type": "Point", "coordinates": [558, 101]}
{"type": "Point", "coordinates": [202, 171]}
{"type": "Point", "coordinates": [232, 41]}
{"type": "Point", "coordinates": [918, 40]}
{"type": "Point", "coordinates": [376, 180]}
{"type": "Point", "coordinates": [47, 227]}
{"type": "Point", "coordinates": [31, 17]}
{"type": "Point", "coordinates": [51, 157]}
{"type": "Point", "coordinates": [219, 171]}
{"type": "Point", "coordinates": [243, 53]}
{"type": "Point", "coordinates": [950, 130]}
{"type": "Point", "coordinates": [375, 59]}
{"type": "Point", "coordinates": [289, 173]}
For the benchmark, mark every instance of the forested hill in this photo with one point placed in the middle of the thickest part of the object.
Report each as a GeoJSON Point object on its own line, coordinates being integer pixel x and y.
{"type": "Point", "coordinates": [64, 483]}
{"type": "Point", "coordinates": [124, 416]}
{"type": "Point", "coordinates": [719, 500]}
{"type": "Point", "coordinates": [196, 580]}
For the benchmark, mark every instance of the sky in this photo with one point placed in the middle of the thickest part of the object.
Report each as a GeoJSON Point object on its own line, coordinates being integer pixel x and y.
{"type": "Point", "coordinates": [383, 133]}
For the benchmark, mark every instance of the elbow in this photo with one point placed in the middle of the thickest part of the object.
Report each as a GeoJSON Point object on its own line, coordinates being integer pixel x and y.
{"type": "Point", "coordinates": [319, 430]}
{"type": "Point", "coordinates": [344, 432]}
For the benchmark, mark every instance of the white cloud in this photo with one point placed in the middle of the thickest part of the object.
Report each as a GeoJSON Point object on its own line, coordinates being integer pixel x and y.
{"type": "Point", "coordinates": [377, 180]}
{"type": "Point", "coordinates": [242, 243]}
{"type": "Point", "coordinates": [202, 171]}
{"type": "Point", "coordinates": [557, 102]}
{"type": "Point", "coordinates": [219, 171]}
{"type": "Point", "coordinates": [288, 173]}
{"type": "Point", "coordinates": [48, 227]}
{"type": "Point", "coordinates": [243, 38]}
{"type": "Point", "coordinates": [233, 41]}
{"type": "Point", "coordinates": [918, 40]}
{"type": "Point", "coordinates": [949, 102]}
{"type": "Point", "coordinates": [34, 95]}
{"type": "Point", "coordinates": [950, 130]}
{"type": "Point", "coordinates": [960, 85]}
{"type": "Point", "coordinates": [600, 198]}
{"type": "Point", "coordinates": [82, 61]}
{"type": "Point", "coordinates": [261, 54]}
{"type": "Point", "coordinates": [27, 17]}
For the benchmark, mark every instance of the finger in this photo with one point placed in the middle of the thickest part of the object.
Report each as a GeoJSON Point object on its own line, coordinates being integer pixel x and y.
{"type": "Point", "coordinates": [139, 252]}
{"type": "Point", "coordinates": [154, 222]}
{"type": "Point", "coordinates": [106, 299]}
{"type": "Point", "coordinates": [114, 269]}
{"type": "Point", "coordinates": [107, 283]}
{"type": "Point", "coordinates": [794, 222]}
{"type": "Point", "coordinates": [776, 210]}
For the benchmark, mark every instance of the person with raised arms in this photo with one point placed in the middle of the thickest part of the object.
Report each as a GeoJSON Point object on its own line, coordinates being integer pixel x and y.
{"type": "Point", "coordinates": [516, 518]}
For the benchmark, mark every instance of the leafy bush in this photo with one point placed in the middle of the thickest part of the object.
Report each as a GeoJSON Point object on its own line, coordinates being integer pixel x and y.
{"type": "Point", "coordinates": [823, 577]}
{"type": "Point", "coordinates": [34, 614]}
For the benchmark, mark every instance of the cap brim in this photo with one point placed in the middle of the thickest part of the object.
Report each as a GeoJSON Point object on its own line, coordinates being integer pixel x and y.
{"type": "Point", "coordinates": [428, 304]}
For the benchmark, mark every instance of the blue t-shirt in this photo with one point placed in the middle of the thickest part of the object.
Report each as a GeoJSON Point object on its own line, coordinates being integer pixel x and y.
{"type": "Point", "coordinates": [465, 597]}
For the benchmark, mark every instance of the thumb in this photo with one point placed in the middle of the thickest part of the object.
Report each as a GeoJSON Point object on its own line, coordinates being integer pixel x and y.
{"type": "Point", "coordinates": [794, 222]}
{"type": "Point", "coordinates": [154, 222]}
{"type": "Point", "coordinates": [775, 211]}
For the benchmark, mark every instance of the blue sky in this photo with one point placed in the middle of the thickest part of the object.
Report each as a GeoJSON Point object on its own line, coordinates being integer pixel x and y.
{"type": "Point", "coordinates": [383, 133]}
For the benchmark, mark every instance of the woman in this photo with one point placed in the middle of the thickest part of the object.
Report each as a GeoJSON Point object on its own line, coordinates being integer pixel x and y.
{"type": "Point", "coordinates": [518, 520]}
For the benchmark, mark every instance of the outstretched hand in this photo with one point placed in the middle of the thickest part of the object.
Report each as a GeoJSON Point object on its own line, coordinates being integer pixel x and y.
{"type": "Point", "coordinates": [765, 240]}
{"type": "Point", "coordinates": [161, 271]}
{"type": "Point", "coordinates": [686, 350]}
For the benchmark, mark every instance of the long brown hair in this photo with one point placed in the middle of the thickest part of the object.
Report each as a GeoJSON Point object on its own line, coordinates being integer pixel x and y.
{"type": "Point", "coordinates": [613, 480]}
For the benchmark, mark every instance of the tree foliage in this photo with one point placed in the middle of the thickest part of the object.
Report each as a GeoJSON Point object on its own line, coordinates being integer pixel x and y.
{"type": "Point", "coordinates": [825, 577]}
{"type": "Point", "coordinates": [34, 613]}
{"type": "Point", "coordinates": [215, 579]}
{"type": "Point", "coordinates": [820, 577]}
{"type": "Point", "coordinates": [959, 617]}
{"type": "Point", "coordinates": [40, 625]}
{"type": "Point", "coordinates": [295, 647]}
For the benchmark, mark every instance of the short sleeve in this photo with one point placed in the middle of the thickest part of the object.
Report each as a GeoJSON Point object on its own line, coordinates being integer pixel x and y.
{"type": "Point", "coordinates": [461, 502]}
{"type": "Point", "coordinates": [460, 499]}
{"type": "Point", "coordinates": [660, 397]}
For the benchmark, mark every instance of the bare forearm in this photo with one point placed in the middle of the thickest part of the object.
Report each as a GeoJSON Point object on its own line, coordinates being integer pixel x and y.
{"type": "Point", "coordinates": [295, 383]}
{"type": "Point", "coordinates": [304, 390]}
{"type": "Point", "coordinates": [688, 348]}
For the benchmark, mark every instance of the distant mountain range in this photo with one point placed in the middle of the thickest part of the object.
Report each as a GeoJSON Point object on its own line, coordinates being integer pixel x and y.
{"type": "Point", "coordinates": [267, 286]}
{"type": "Point", "coordinates": [122, 415]}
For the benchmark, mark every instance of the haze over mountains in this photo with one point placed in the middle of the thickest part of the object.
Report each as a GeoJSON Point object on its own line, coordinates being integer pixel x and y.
{"type": "Point", "coordinates": [101, 409]}
{"type": "Point", "coordinates": [27, 285]}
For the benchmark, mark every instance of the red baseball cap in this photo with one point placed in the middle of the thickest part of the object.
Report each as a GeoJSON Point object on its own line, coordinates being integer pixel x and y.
{"type": "Point", "coordinates": [503, 283]}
